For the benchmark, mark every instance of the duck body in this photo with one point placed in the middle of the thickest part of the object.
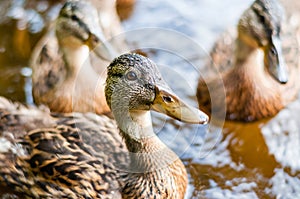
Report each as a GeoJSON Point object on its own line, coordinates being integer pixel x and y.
{"type": "Point", "coordinates": [72, 58]}
{"type": "Point", "coordinates": [84, 155]}
{"type": "Point", "coordinates": [251, 91]}
{"type": "Point", "coordinates": [155, 163]}
{"type": "Point", "coordinates": [57, 156]}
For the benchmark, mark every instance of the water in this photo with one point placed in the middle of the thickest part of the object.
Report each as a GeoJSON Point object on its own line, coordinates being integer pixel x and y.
{"type": "Point", "coordinates": [256, 160]}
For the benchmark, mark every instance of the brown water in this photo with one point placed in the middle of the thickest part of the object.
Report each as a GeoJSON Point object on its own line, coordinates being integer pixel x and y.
{"type": "Point", "coordinates": [257, 160]}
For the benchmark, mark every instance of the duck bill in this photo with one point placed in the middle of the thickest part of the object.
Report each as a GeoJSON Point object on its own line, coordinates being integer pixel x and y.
{"type": "Point", "coordinates": [168, 103]}
{"type": "Point", "coordinates": [101, 47]}
{"type": "Point", "coordinates": [277, 65]}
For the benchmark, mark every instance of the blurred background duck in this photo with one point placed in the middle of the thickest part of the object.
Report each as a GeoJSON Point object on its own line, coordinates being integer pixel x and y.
{"type": "Point", "coordinates": [259, 66]}
{"type": "Point", "coordinates": [65, 66]}
{"type": "Point", "coordinates": [82, 155]}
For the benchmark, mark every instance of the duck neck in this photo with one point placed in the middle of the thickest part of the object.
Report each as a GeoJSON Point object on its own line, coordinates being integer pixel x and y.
{"type": "Point", "coordinates": [135, 125]}
{"type": "Point", "coordinates": [141, 141]}
{"type": "Point", "coordinates": [76, 58]}
{"type": "Point", "coordinates": [249, 59]}
{"type": "Point", "coordinates": [150, 161]}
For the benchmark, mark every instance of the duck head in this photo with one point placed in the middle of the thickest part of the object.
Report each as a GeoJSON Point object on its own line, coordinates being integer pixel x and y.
{"type": "Point", "coordinates": [260, 27]}
{"type": "Point", "coordinates": [78, 25]}
{"type": "Point", "coordinates": [134, 86]}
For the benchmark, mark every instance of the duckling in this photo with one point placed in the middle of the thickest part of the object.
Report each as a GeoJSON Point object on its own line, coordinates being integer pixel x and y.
{"type": "Point", "coordinates": [259, 66]}
{"type": "Point", "coordinates": [62, 62]}
{"type": "Point", "coordinates": [84, 155]}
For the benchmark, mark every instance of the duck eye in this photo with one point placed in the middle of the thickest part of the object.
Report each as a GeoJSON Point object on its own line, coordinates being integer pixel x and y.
{"type": "Point", "coordinates": [75, 18]}
{"type": "Point", "coordinates": [131, 76]}
{"type": "Point", "coordinates": [168, 99]}
{"type": "Point", "coordinates": [273, 51]}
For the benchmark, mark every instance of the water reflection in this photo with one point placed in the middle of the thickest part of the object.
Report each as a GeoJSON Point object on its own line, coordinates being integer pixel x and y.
{"type": "Point", "coordinates": [258, 159]}
{"type": "Point", "coordinates": [21, 26]}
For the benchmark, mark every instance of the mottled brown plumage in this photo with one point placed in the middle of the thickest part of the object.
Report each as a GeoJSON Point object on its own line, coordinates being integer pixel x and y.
{"type": "Point", "coordinates": [83, 155]}
{"type": "Point", "coordinates": [58, 156]}
{"type": "Point", "coordinates": [64, 65]}
{"type": "Point", "coordinates": [254, 82]}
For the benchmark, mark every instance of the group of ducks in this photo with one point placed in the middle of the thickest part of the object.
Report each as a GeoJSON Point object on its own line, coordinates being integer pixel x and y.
{"type": "Point", "coordinates": [74, 153]}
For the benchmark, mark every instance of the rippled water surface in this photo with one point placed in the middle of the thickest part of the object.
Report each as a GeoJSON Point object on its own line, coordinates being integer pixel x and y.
{"type": "Point", "coordinates": [256, 160]}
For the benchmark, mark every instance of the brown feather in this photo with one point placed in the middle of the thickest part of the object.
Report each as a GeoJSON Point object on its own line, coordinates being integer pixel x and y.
{"type": "Point", "coordinates": [248, 93]}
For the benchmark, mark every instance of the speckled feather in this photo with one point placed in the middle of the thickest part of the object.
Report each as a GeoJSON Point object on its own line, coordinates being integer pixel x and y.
{"type": "Point", "coordinates": [62, 158]}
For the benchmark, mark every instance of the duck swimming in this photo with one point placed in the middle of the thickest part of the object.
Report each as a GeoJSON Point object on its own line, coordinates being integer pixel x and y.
{"type": "Point", "coordinates": [259, 66]}
{"type": "Point", "coordinates": [84, 155]}
{"type": "Point", "coordinates": [64, 63]}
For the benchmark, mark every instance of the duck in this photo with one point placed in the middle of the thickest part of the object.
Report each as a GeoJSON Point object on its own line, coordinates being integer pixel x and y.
{"type": "Point", "coordinates": [69, 59]}
{"type": "Point", "coordinates": [252, 71]}
{"type": "Point", "coordinates": [85, 155]}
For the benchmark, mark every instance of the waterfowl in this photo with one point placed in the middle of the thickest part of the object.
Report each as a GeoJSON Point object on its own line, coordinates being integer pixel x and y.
{"type": "Point", "coordinates": [259, 65]}
{"type": "Point", "coordinates": [84, 155]}
{"type": "Point", "coordinates": [64, 64]}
